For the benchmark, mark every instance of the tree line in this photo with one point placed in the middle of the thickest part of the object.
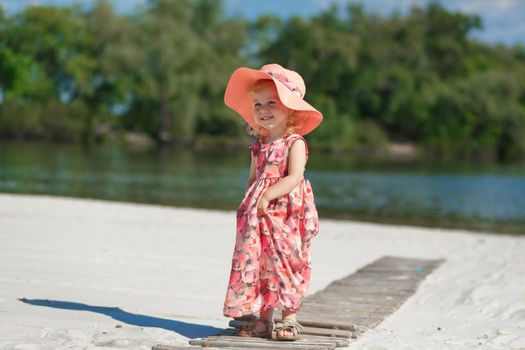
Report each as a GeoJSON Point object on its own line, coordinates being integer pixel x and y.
{"type": "Point", "coordinates": [70, 74]}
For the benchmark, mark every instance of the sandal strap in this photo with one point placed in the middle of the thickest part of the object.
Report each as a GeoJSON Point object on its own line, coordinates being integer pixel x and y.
{"type": "Point", "coordinates": [290, 325]}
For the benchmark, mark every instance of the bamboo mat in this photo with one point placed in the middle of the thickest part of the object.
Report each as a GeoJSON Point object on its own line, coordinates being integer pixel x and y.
{"type": "Point", "coordinates": [336, 315]}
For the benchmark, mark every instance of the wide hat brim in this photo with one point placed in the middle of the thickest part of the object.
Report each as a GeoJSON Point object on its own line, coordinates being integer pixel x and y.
{"type": "Point", "coordinates": [238, 97]}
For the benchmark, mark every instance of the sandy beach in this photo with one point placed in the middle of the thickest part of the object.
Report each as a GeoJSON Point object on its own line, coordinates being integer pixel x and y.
{"type": "Point", "coordinates": [88, 274]}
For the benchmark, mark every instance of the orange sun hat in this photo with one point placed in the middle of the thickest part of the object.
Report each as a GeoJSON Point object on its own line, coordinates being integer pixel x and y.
{"type": "Point", "coordinates": [290, 88]}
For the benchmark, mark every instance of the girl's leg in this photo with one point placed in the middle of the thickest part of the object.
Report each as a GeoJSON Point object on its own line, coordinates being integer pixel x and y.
{"type": "Point", "coordinates": [290, 314]}
{"type": "Point", "coordinates": [268, 316]}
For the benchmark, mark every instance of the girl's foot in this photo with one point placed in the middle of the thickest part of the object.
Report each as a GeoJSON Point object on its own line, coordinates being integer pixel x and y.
{"type": "Point", "coordinates": [246, 329]}
{"type": "Point", "coordinates": [288, 329]}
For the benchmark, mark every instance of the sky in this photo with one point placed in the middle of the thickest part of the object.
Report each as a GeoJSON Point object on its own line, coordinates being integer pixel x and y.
{"type": "Point", "coordinates": [503, 20]}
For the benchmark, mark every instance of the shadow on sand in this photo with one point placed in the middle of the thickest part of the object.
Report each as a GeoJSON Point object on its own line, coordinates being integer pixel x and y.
{"type": "Point", "coordinates": [189, 330]}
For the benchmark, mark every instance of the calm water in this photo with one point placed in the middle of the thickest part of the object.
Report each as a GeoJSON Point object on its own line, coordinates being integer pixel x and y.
{"type": "Point", "coordinates": [484, 197]}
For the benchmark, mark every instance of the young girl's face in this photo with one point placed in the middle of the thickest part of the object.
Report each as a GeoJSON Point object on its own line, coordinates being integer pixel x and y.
{"type": "Point", "coordinates": [268, 111]}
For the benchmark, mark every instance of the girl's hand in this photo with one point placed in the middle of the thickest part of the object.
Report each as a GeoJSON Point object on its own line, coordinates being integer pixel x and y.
{"type": "Point", "coordinates": [263, 205]}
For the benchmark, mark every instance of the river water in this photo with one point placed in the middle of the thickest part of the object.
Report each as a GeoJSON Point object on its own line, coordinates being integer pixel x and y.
{"type": "Point", "coordinates": [487, 197]}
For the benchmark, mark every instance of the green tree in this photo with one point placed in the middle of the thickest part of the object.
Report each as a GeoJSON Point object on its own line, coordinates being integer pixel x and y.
{"type": "Point", "coordinates": [105, 86]}
{"type": "Point", "coordinates": [166, 45]}
{"type": "Point", "coordinates": [41, 72]}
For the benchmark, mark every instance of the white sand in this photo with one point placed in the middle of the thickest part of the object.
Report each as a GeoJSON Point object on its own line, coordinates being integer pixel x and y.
{"type": "Point", "coordinates": [168, 267]}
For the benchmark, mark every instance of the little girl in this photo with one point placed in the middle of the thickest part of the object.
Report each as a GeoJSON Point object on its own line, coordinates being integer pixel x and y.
{"type": "Point", "coordinates": [277, 217]}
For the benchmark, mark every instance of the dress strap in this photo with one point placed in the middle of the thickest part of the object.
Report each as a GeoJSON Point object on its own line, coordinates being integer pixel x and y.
{"type": "Point", "coordinates": [294, 137]}
{"type": "Point", "coordinates": [255, 147]}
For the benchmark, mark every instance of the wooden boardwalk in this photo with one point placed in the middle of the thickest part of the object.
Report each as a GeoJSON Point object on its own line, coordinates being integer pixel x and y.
{"type": "Point", "coordinates": [339, 313]}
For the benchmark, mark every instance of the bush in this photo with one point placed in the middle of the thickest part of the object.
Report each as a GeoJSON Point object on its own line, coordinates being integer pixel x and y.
{"type": "Point", "coordinates": [49, 121]}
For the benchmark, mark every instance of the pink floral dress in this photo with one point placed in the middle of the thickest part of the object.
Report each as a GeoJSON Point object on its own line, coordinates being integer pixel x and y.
{"type": "Point", "coordinates": [271, 259]}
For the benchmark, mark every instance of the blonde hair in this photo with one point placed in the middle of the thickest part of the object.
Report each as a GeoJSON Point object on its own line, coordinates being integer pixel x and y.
{"type": "Point", "coordinates": [294, 117]}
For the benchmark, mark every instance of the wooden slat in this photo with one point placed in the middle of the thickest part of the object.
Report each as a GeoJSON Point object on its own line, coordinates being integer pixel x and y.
{"type": "Point", "coordinates": [169, 347]}
{"type": "Point", "coordinates": [303, 339]}
{"type": "Point", "coordinates": [318, 324]}
{"type": "Point", "coordinates": [246, 344]}
{"type": "Point", "coordinates": [337, 341]}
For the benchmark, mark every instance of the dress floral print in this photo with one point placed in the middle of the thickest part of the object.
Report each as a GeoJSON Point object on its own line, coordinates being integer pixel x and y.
{"type": "Point", "coordinates": [271, 259]}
